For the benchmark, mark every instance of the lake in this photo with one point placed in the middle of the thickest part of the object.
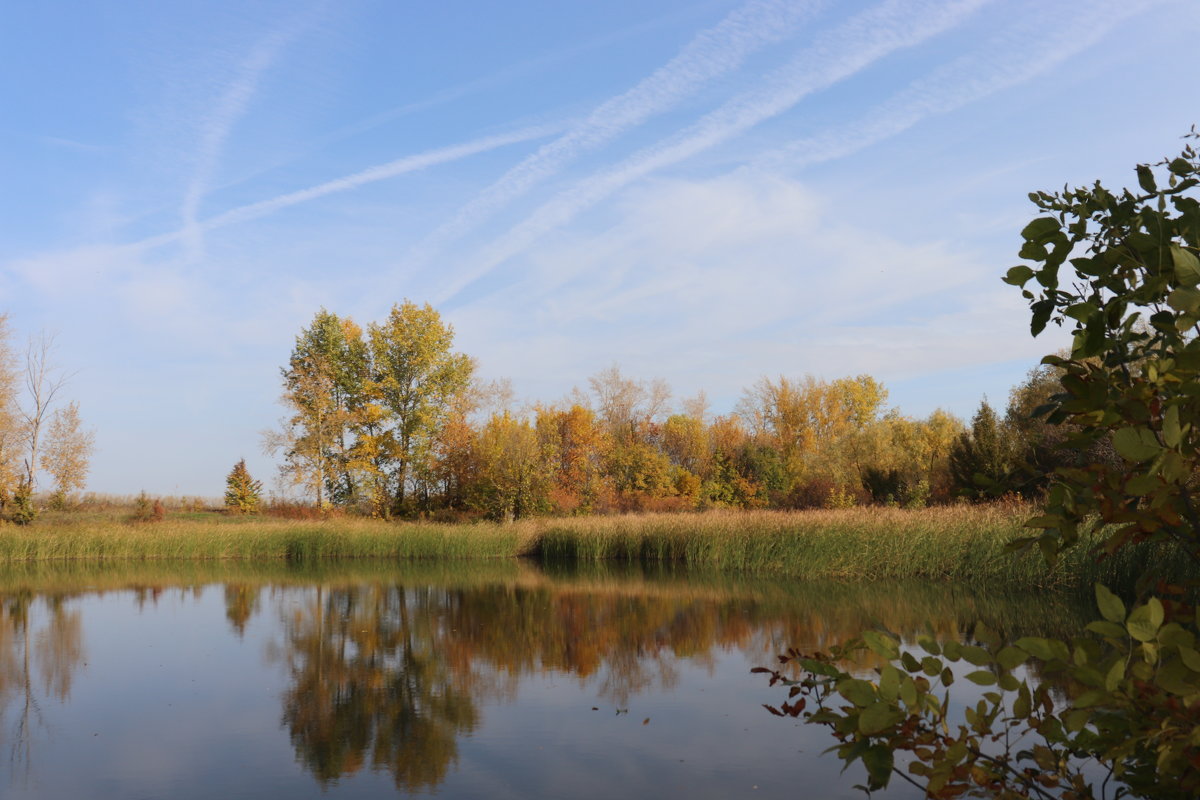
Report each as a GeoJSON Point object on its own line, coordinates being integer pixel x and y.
{"type": "Point", "coordinates": [488, 679]}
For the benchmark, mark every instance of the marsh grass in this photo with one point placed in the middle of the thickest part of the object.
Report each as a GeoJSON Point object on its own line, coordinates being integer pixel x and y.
{"type": "Point", "coordinates": [960, 544]}
{"type": "Point", "coordinates": [963, 544]}
{"type": "Point", "coordinates": [220, 536]}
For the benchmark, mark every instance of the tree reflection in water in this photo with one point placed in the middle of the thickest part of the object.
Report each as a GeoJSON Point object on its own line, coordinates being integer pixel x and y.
{"type": "Point", "coordinates": [387, 665]}
{"type": "Point", "coordinates": [37, 651]}
{"type": "Point", "coordinates": [371, 684]}
{"type": "Point", "coordinates": [390, 676]}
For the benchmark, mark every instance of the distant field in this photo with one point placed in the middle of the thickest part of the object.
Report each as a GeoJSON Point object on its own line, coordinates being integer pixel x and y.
{"type": "Point", "coordinates": [963, 544]}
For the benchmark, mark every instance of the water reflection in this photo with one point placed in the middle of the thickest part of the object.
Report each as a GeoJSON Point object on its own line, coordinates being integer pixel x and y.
{"type": "Point", "coordinates": [39, 653]}
{"type": "Point", "coordinates": [371, 683]}
{"type": "Point", "coordinates": [387, 668]}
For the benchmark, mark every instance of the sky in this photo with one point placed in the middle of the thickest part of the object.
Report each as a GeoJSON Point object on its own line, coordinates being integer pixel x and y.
{"type": "Point", "coordinates": [703, 191]}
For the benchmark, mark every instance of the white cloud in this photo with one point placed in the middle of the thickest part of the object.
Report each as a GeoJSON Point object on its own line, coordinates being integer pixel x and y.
{"type": "Point", "coordinates": [712, 53]}
{"type": "Point", "coordinates": [854, 45]}
{"type": "Point", "coordinates": [714, 283]}
{"type": "Point", "coordinates": [69, 272]}
{"type": "Point", "coordinates": [379, 172]}
{"type": "Point", "coordinates": [216, 128]}
{"type": "Point", "coordinates": [1017, 54]}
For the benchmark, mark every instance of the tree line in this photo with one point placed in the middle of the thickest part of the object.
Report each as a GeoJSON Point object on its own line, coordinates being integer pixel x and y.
{"type": "Point", "coordinates": [41, 436]}
{"type": "Point", "coordinates": [391, 421]}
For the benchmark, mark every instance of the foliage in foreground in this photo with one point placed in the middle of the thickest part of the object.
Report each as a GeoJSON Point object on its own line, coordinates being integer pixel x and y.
{"type": "Point", "coordinates": [1122, 698]}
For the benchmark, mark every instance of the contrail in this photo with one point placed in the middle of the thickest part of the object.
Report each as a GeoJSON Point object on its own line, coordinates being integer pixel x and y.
{"type": "Point", "coordinates": [862, 40]}
{"type": "Point", "coordinates": [215, 130]}
{"type": "Point", "coordinates": [714, 52]}
{"type": "Point", "coordinates": [379, 172]}
{"type": "Point", "coordinates": [1020, 54]}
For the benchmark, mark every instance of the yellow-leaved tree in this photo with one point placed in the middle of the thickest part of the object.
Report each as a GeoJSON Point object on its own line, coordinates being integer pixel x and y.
{"type": "Point", "coordinates": [68, 453]}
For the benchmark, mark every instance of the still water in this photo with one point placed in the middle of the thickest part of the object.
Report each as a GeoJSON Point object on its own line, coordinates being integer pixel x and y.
{"type": "Point", "coordinates": [496, 680]}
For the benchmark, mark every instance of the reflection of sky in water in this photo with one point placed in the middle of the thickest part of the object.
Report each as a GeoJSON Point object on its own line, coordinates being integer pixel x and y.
{"type": "Point", "coordinates": [169, 701]}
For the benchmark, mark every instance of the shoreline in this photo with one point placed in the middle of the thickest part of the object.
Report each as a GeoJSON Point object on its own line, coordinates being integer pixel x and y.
{"type": "Point", "coordinates": [960, 544]}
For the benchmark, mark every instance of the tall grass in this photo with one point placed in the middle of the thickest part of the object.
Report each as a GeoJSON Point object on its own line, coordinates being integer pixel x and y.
{"type": "Point", "coordinates": [962, 544]}
{"type": "Point", "coordinates": [215, 538]}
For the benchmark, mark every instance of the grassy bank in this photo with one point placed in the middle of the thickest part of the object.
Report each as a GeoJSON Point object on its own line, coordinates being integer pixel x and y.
{"type": "Point", "coordinates": [964, 544]}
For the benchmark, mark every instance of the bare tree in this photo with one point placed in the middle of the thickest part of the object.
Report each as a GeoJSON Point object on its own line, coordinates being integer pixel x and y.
{"type": "Point", "coordinates": [624, 403]}
{"type": "Point", "coordinates": [697, 407]}
{"type": "Point", "coordinates": [43, 381]}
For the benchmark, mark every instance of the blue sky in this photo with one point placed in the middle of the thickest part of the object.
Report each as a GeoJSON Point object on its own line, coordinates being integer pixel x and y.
{"type": "Point", "coordinates": [705, 191]}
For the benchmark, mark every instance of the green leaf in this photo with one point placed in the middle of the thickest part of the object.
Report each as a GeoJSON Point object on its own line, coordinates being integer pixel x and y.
{"type": "Point", "coordinates": [976, 655]}
{"type": "Point", "coordinates": [879, 761]}
{"type": "Point", "coordinates": [1174, 678]}
{"type": "Point", "coordinates": [1184, 299]}
{"type": "Point", "coordinates": [1136, 444]}
{"type": "Point", "coordinates": [1146, 178]}
{"type": "Point", "coordinates": [981, 677]}
{"type": "Point", "coordinates": [1171, 431]}
{"type": "Point", "coordinates": [1190, 658]}
{"type": "Point", "coordinates": [1074, 721]}
{"type": "Point", "coordinates": [1144, 622]}
{"type": "Point", "coordinates": [878, 717]}
{"type": "Point", "coordinates": [1080, 312]}
{"type": "Point", "coordinates": [1116, 673]}
{"type": "Point", "coordinates": [1040, 229]}
{"type": "Point", "coordinates": [1018, 276]}
{"type": "Point", "coordinates": [1045, 649]}
{"type": "Point", "coordinates": [1180, 166]}
{"type": "Point", "coordinates": [1023, 704]}
{"type": "Point", "coordinates": [859, 692]}
{"type": "Point", "coordinates": [1142, 485]}
{"type": "Point", "coordinates": [1111, 607]}
{"type": "Point", "coordinates": [1105, 628]}
{"type": "Point", "coordinates": [1187, 266]}
{"type": "Point", "coordinates": [1011, 657]}
{"type": "Point", "coordinates": [882, 645]}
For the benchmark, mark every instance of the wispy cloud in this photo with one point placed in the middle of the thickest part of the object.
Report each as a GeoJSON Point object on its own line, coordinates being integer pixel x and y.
{"type": "Point", "coordinates": [714, 52]}
{"type": "Point", "coordinates": [1016, 55]}
{"type": "Point", "coordinates": [834, 56]}
{"type": "Point", "coordinates": [232, 105]}
{"type": "Point", "coordinates": [391, 169]}
{"type": "Point", "coordinates": [492, 80]}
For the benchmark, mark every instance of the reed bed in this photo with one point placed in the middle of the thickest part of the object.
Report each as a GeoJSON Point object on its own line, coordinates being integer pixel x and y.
{"type": "Point", "coordinates": [962, 544]}
{"type": "Point", "coordinates": [216, 538]}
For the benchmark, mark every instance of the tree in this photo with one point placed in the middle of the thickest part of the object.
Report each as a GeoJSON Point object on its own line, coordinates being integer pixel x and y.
{"type": "Point", "coordinates": [242, 493]}
{"type": "Point", "coordinates": [981, 460]}
{"type": "Point", "coordinates": [43, 382]}
{"type": "Point", "coordinates": [68, 452]}
{"type": "Point", "coordinates": [10, 423]}
{"type": "Point", "coordinates": [1131, 299]}
{"type": "Point", "coordinates": [322, 388]}
{"type": "Point", "coordinates": [416, 375]}
{"type": "Point", "coordinates": [577, 445]}
{"type": "Point", "coordinates": [514, 475]}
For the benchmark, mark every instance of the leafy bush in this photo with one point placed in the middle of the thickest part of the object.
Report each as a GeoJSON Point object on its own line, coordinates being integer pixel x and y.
{"type": "Point", "coordinates": [1125, 692]}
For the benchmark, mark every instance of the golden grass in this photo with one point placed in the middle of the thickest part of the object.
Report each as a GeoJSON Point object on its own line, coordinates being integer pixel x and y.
{"type": "Point", "coordinates": [965, 544]}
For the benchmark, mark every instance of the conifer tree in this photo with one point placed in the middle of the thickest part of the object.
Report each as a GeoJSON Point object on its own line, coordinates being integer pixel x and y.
{"type": "Point", "coordinates": [242, 493]}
